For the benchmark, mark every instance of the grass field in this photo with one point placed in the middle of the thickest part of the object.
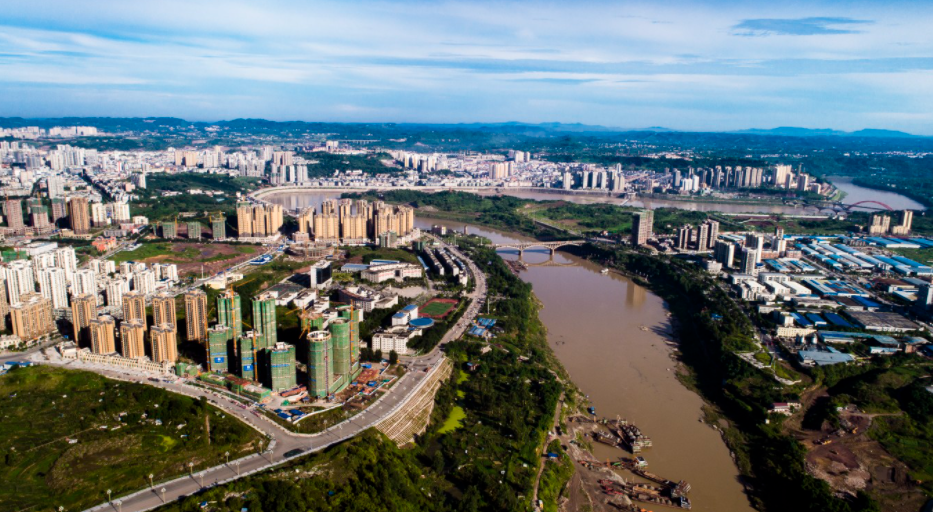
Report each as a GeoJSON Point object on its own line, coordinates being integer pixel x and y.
{"type": "Point", "coordinates": [436, 308]}
{"type": "Point", "coordinates": [184, 252]}
{"type": "Point", "coordinates": [454, 421]}
{"type": "Point", "coordinates": [117, 440]}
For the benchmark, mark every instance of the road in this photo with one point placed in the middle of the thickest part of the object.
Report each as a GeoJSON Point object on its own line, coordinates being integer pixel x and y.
{"type": "Point", "coordinates": [283, 441]}
{"type": "Point", "coordinates": [476, 298]}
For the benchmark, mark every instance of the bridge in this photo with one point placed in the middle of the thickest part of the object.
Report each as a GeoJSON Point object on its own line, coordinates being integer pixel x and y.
{"type": "Point", "coordinates": [840, 206]}
{"type": "Point", "coordinates": [521, 247]}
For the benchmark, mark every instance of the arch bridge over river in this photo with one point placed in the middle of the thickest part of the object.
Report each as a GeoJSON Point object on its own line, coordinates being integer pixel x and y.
{"type": "Point", "coordinates": [521, 247]}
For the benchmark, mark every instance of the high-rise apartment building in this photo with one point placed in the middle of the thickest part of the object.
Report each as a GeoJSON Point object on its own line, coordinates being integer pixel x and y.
{"type": "Point", "coordinates": [169, 229]}
{"type": "Point", "coordinates": [163, 310]}
{"type": "Point", "coordinates": [713, 234]}
{"type": "Point", "coordinates": [79, 215]}
{"type": "Point", "coordinates": [755, 243]}
{"type": "Point", "coordinates": [163, 345]}
{"type": "Point", "coordinates": [229, 312]}
{"type": "Point", "coordinates": [196, 315]}
{"type": "Point", "coordinates": [683, 236]}
{"type": "Point", "coordinates": [83, 310]}
{"type": "Point", "coordinates": [53, 285]}
{"type": "Point", "coordinates": [246, 355]}
{"type": "Point", "coordinates": [194, 230]}
{"type": "Point", "coordinates": [264, 323]}
{"type": "Point", "coordinates": [748, 263]}
{"type": "Point", "coordinates": [724, 252]}
{"type": "Point", "coordinates": [134, 307]}
{"type": "Point", "coordinates": [103, 335]}
{"type": "Point", "coordinates": [132, 338]}
{"type": "Point", "coordinates": [14, 215]}
{"type": "Point", "coordinates": [19, 279]}
{"type": "Point", "coordinates": [218, 227]}
{"type": "Point", "coordinates": [277, 367]}
{"type": "Point", "coordinates": [59, 209]}
{"type": "Point", "coordinates": [880, 224]}
{"type": "Point", "coordinates": [218, 349]}
{"type": "Point", "coordinates": [32, 316]}
{"type": "Point", "coordinates": [258, 220]}
{"type": "Point", "coordinates": [905, 221]}
{"type": "Point", "coordinates": [642, 225]}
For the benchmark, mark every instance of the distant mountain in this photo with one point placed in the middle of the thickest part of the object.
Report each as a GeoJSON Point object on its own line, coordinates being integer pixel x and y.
{"type": "Point", "coordinates": [791, 131]}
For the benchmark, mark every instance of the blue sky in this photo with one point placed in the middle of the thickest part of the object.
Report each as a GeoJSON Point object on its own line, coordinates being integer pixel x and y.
{"type": "Point", "coordinates": [711, 65]}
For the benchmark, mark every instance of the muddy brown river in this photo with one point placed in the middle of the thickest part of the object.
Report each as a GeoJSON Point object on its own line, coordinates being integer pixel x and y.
{"type": "Point", "coordinates": [612, 337]}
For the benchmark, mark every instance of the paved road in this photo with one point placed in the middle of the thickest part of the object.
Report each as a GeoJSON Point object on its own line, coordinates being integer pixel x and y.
{"type": "Point", "coordinates": [284, 441]}
{"type": "Point", "coordinates": [477, 299]}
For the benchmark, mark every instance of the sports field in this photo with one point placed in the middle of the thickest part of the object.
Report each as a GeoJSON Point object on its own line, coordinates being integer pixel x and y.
{"type": "Point", "coordinates": [437, 308]}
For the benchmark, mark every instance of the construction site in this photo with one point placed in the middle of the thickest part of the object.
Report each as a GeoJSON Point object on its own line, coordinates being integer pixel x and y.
{"type": "Point", "coordinates": [621, 484]}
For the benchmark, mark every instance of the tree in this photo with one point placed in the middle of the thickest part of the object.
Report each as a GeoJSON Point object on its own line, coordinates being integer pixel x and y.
{"type": "Point", "coordinates": [393, 357]}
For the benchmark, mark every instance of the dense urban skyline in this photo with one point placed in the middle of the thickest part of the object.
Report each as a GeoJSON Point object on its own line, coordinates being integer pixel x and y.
{"type": "Point", "coordinates": [690, 66]}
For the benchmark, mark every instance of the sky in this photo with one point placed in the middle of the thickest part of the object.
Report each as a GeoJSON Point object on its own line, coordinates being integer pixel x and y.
{"type": "Point", "coordinates": [701, 66]}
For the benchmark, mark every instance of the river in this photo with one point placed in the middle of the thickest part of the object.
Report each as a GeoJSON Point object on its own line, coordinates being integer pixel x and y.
{"type": "Point", "coordinates": [856, 193]}
{"type": "Point", "coordinates": [313, 198]}
{"type": "Point", "coordinates": [594, 324]}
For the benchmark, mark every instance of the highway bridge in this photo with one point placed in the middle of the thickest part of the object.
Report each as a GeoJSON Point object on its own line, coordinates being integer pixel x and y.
{"type": "Point", "coordinates": [521, 247]}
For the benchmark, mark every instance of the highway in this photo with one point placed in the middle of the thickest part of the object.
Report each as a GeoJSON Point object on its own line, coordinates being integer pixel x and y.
{"type": "Point", "coordinates": [282, 441]}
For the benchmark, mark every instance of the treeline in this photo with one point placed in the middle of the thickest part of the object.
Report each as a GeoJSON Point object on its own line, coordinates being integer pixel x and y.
{"type": "Point", "coordinates": [489, 463]}
{"type": "Point", "coordinates": [712, 329]}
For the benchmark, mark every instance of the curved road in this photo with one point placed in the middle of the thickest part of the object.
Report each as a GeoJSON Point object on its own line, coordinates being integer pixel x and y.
{"type": "Point", "coordinates": [283, 441]}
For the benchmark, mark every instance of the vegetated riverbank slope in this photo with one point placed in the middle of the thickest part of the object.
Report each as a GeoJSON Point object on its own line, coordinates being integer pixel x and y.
{"type": "Point", "coordinates": [713, 328]}
{"type": "Point", "coordinates": [487, 460]}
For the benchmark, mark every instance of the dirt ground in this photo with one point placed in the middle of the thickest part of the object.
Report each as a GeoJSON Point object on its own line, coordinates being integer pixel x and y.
{"type": "Point", "coordinates": [205, 252]}
{"type": "Point", "coordinates": [849, 460]}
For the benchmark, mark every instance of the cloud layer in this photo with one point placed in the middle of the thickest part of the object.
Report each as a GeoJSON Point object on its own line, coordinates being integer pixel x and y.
{"type": "Point", "coordinates": [687, 66]}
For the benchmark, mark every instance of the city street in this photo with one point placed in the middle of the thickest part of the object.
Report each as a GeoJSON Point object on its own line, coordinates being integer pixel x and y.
{"type": "Point", "coordinates": [284, 441]}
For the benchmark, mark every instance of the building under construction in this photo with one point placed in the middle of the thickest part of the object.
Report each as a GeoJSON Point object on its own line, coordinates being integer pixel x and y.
{"type": "Point", "coordinates": [264, 324]}
{"type": "Point", "coordinates": [332, 361]}
{"type": "Point", "coordinates": [246, 355]}
{"type": "Point", "coordinates": [218, 345]}
{"type": "Point", "coordinates": [277, 365]}
{"type": "Point", "coordinates": [229, 313]}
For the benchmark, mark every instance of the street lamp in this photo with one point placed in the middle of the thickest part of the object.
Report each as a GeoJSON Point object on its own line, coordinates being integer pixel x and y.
{"type": "Point", "coordinates": [227, 455]}
{"type": "Point", "coordinates": [150, 480]}
{"type": "Point", "coordinates": [191, 468]}
{"type": "Point", "coordinates": [201, 475]}
{"type": "Point", "coordinates": [119, 506]}
{"type": "Point", "coordinates": [163, 495]}
{"type": "Point", "coordinates": [108, 495]}
{"type": "Point", "coordinates": [237, 467]}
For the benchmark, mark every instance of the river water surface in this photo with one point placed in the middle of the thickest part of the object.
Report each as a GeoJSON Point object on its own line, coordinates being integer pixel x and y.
{"type": "Point", "coordinates": [611, 335]}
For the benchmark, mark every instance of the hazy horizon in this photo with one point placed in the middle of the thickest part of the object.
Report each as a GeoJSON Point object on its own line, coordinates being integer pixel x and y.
{"type": "Point", "coordinates": [689, 66]}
